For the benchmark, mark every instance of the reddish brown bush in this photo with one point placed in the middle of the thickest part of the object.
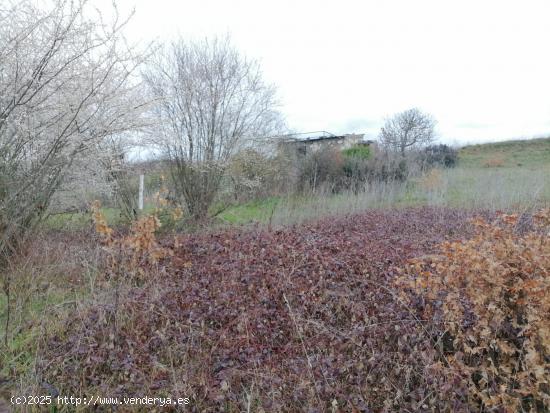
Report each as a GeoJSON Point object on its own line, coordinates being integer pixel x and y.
{"type": "Point", "coordinates": [301, 319]}
{"type": "Point", "coordinates": [492, 293]}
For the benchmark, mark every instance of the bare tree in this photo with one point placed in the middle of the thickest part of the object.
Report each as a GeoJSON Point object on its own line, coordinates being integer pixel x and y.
{"type": "Point", "coordinates": [65, 84]}
{"type": "Point", "coordinates": [211, 101]}
{"type": "Point", "coordinates": [409, 129]}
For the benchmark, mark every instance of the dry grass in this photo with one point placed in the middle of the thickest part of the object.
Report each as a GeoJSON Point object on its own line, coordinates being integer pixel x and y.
{"type": "Point", "coordinates": [53, 275]}
{"type": "Point", "coordinates": [507, 189]}
{"type": "Point", "coordinates": [67, 312]}
{"type": "Point", "coordinates": [495, 161]}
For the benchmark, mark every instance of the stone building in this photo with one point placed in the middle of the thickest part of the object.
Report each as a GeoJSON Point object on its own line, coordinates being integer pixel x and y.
{"type": "Point", "coordinates": [305, 143]}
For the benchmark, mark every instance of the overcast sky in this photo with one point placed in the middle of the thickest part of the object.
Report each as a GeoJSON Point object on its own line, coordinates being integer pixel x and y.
{"type": "Point", "coordinates": [482, 68]}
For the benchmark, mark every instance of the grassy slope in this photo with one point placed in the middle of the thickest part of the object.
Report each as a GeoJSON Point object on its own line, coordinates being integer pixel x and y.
{"type": "Point", "coordinates": [532, 153]}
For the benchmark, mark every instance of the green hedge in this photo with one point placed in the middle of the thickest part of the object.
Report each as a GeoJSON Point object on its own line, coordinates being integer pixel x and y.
{"type": "Point", "coordinates": [357, 151]}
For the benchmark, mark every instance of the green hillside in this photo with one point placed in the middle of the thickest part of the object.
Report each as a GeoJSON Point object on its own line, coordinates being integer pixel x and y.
{"type": "Point", "coordinates": [532, 153]}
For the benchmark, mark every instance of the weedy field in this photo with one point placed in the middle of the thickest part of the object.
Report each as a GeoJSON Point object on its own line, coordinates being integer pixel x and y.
{"type": "Point", "coordinates": [507, 176]}
{"type": "Point", "coordinates": [368, 302]}
{"type": "Point", "coordinates": [256, 319]}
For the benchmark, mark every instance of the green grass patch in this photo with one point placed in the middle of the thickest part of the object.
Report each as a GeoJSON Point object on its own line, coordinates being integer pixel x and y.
{"type": "Point", "coordinates": [490, 175]}
{"type": "Point", "coordinates": [462, 187]}
{"type": "Point", "coordinates": [255, 211]}
{"type": "Point", "coordinates": [29, 318]}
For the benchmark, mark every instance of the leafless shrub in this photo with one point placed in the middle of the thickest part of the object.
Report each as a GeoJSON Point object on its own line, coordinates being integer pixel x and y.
{"type": "Point", "coordinates": [210, 101]}
{"type": "Point", "coordinates": [321, 169]}
{"type": "Point", "coordinates": [254, 175]}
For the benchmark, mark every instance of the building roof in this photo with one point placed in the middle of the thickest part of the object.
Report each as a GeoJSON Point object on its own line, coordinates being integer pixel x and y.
{"type": "Point", "coordinates": [316, 136]}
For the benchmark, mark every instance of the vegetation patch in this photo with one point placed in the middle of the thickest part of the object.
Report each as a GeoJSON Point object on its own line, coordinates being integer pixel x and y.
{"type": "Point", "coordinates": [491, 293]}
{"type": "Point", "coordinates": [295, 319]}
{"type": "Point", "coordinates": [531, 153]}
{"type": "Point", "coordinates": [358, 151]}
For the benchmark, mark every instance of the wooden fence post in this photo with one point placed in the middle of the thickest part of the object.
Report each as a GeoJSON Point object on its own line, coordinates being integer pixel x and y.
{"type": "Point", "coordinates": [140, 200]}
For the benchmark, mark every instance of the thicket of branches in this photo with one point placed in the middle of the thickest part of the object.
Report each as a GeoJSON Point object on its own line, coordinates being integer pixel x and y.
{"type": "Point", "coordinates": [335, 170]}
{"type": "Point", "coordinates": [210, 101]}
{"type": "Point", "coordinates": [65, 84]}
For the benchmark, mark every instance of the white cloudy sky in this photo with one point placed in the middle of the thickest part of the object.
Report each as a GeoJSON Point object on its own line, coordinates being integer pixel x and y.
{"type": "Point", "coordinates": [482, 68]}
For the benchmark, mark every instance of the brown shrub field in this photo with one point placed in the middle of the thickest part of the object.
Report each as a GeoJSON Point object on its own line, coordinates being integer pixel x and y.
{"type": "Point", "coordinates": [324, 316]}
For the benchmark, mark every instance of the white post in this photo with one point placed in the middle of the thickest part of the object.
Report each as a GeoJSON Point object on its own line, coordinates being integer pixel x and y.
{"type": "Point", "coordinates": [140, 199]}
